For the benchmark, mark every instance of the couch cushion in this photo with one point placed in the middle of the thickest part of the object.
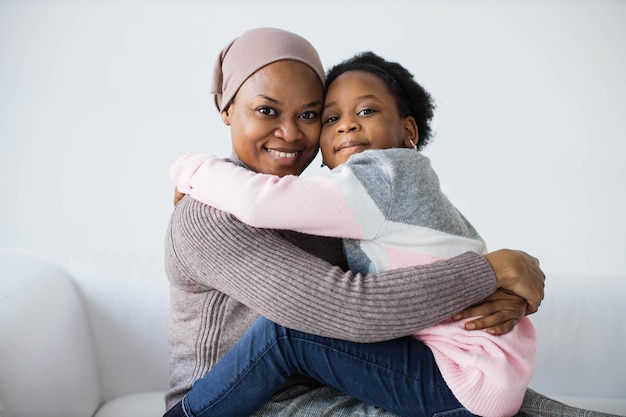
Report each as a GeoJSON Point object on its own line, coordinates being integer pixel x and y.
{"type": "Point", "coordinates": [148, 404]}
{"type": "Point", "coordinates": [47, 364]}
{"type": "Point", "coordinates": [127, 299]}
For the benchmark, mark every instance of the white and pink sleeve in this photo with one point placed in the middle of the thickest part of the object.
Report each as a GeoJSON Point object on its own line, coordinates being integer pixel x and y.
{"type": "Point", "coordinates": [183, 169]}
{"type": "Point", "coordinates": [315, 204]}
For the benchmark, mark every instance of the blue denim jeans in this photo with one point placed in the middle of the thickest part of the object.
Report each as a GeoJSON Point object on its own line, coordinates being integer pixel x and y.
{"type": "Point", "coordinates": [398, 375]}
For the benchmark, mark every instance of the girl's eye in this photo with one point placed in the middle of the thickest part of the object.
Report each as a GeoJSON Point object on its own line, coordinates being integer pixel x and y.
{"type": "Point", "coordinates": [330, 119]}
{"type": "Point", "coordinates": [310, 115]}
{"type": "Point", "coordinates": [267, 111]}
{"type": "Point", "coordinates": [365, 112]}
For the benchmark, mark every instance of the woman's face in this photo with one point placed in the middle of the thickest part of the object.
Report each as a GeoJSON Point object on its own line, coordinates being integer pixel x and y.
{"type": "Point", "coordinates": [360, 113]}
{"type": "Point", "coordinates": [275, 118]}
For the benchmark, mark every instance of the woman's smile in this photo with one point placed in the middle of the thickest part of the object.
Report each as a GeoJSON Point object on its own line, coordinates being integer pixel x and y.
{"type": "Point", "coordinates": [284, 157]}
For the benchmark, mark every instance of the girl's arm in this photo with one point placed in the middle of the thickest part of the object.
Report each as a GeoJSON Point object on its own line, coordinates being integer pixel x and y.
{"type": "Point", "coordinates": [318, 205]}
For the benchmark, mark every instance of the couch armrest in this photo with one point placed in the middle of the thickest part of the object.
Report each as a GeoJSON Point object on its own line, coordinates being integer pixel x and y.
{"type": "Point", "coordinates": [47, 364]}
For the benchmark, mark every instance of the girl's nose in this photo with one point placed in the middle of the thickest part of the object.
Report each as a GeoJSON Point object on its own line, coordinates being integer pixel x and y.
{"type": "Point", "coordinates": [347, 125]}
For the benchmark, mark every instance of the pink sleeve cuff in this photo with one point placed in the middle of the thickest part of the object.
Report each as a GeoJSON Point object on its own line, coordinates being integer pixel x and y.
{"type": "Point", "coordinates": [183, 169]}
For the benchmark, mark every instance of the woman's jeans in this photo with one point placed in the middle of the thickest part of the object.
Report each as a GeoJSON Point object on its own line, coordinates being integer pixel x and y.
{"type": "Point", "coordinates": [400, 375]}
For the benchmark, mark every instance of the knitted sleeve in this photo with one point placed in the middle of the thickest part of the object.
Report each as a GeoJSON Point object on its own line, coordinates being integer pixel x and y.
{"type": "Point", "coordinates": [259, 268]}
{"type": "Point", "coordinates": [331, 205]}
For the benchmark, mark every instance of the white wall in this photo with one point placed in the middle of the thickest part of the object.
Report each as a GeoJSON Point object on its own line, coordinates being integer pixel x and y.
{"type": "Point", "coordinates": [98, 97]}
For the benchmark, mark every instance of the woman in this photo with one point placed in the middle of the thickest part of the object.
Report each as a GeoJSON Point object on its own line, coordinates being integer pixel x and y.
{"type": "Point", "coordinates": [225, 274]}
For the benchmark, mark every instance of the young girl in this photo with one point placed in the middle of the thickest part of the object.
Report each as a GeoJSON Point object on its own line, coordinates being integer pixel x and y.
{"type": "Point", "coordinates": [383, 198]}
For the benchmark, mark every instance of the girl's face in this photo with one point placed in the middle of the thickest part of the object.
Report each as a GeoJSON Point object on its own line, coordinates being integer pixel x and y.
{"type": "Point", "coordinates": [275, 118]}
{"type": "Point", "coordinates": [360, 113]}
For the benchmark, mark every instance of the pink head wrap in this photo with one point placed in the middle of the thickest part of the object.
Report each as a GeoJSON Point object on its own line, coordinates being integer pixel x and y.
{"type": "Point", "coordinates": [253, 50]}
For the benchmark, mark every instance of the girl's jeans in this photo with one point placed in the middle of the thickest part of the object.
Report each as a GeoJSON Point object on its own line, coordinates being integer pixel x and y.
{"type": "Point", "coordinates": [400, 375]}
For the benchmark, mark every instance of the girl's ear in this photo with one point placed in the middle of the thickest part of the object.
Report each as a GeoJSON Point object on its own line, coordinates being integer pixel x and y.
{"type": "Point", "coordinates": [411, 135]}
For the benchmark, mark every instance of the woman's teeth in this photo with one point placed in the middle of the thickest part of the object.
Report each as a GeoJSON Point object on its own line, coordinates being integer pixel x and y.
{"type": "Point", "coordinates": [280, 154]}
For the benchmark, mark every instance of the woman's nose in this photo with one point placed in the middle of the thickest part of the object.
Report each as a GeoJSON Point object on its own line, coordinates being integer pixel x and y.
{"type": "Point", "coordinates": [289, 131]}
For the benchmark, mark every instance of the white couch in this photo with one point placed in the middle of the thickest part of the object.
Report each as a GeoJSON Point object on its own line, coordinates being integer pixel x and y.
{"type": "Point", "coordinates": [75, 342]}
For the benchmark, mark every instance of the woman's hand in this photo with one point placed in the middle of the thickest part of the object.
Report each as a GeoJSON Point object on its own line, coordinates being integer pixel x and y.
{"type": "Point", "coordinates": [497, 314]}
{"type": "Point", "coordinates": [518, 273]}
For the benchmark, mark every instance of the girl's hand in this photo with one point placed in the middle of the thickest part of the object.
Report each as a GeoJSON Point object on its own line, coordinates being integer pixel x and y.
{"type": "Point", "coordinates": [177, 196]}
{"type": "Point", "coordinates": [497, 314]}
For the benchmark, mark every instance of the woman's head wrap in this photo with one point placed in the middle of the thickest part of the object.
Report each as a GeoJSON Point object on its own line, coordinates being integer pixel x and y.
{"type": "Point", "coordinates": [253, 50]}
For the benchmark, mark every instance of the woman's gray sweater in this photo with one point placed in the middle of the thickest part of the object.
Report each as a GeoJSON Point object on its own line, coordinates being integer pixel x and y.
{"type": "Point", "coordinates": [224, 274]}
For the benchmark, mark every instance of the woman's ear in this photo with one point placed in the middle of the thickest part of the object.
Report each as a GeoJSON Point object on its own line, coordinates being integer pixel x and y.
{"type": "Point", "coordinates": [411, 135]}
{"type": "Point", "coordinates": [226, 116]}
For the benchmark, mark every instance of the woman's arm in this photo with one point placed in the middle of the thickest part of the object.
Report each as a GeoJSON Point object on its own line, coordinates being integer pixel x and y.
{"type": "Point", "coordinates": [284, 283]}
{"type": "Point", "coordinates": [290, 286]}
{"type": "Point", "coordinates": [318, 205]}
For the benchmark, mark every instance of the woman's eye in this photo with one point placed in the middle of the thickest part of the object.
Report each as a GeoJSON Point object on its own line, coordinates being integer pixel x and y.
{"type": "Point", "coordinates": [331, 119]}
{"type": "Point", "coordinates": [267, 111]}
{"type": "Point", "coordinates": [365, 112]}
{"type": "Point", "coordinates": [309, 115]}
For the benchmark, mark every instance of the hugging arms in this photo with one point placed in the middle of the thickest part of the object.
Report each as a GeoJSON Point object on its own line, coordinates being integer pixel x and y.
{"type": "Point", "coordinates": [225, 274]}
